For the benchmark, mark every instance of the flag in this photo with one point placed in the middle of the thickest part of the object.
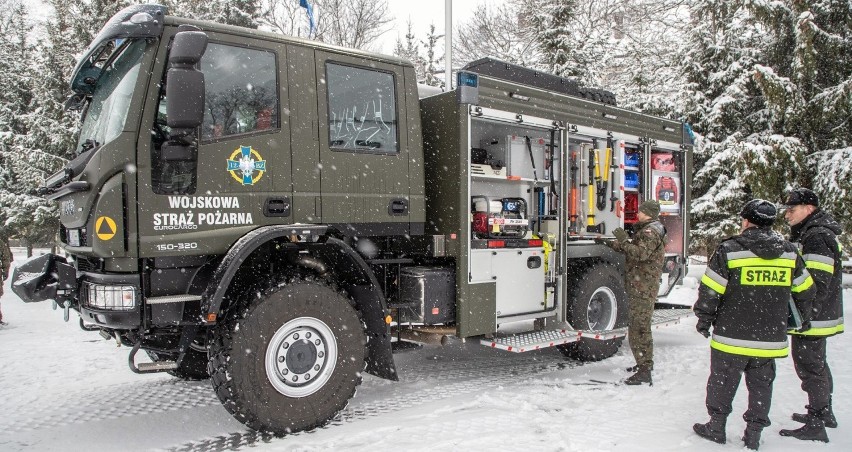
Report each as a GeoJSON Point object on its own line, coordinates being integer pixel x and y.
{"type": "Point", "coordinates": [310, 10]}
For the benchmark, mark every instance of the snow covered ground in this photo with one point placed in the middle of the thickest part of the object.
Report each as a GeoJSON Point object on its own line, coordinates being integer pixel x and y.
{"type": "Point", "coordinates": [65, 389]}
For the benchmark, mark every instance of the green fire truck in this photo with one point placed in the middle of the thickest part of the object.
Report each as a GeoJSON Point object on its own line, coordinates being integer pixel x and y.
{"type": "Point", "coordinates": [279, 215]}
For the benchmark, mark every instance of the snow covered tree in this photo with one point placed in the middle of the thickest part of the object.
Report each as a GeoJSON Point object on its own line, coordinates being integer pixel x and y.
{"type": "Point", "coordinates": [736, 158]}
{"type": "Point", "coordinates": [242, 13]}
{"type": "Point", "coordinates": [352, 23]}
{"type": "Point", "coordinates": [88, 16]}
{"type": "Point", "coordinates": [641, 67]}
{"type": "Point", "coordinates": [348, 23]}
{"type": "Point", "coordinates": [410, 48]}
{"type": "Point", "coordinates": [771, 118]}
{"type": "Point", "coordinates": [29, 148]}
{"type": "Point", "coordinates": [808, 92]}
{"type": "Point", "coordinates": [432, 61]}
{"type": "Point", "coordinates": [14, 49]}
{"type": "Point", "coordinates": [426, 63]}
{"type": "Point", "coordinates": [499, 31]}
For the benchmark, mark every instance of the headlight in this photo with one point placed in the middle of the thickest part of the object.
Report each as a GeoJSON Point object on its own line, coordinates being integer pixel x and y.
{"type": "Point", "coordinates": [114, 298]}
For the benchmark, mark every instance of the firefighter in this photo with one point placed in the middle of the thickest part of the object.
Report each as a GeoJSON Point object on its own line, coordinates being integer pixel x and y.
{"type": "Point", "coordinates": [644, 254]}
{"type": "Point", "coordinates": [815, 231]}
{"type": "Point", "coordinates": [744, 295]}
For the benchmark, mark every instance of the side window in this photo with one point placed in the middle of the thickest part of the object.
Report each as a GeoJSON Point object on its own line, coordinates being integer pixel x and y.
{"type": "Point", "coordinates": [241, 94]}
{"type": "Point", "coordinates": [362, 111]}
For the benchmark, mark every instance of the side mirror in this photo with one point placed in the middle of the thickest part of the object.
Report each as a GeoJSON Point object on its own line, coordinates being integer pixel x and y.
{"type": "Point", "coordinates": [185, 84]}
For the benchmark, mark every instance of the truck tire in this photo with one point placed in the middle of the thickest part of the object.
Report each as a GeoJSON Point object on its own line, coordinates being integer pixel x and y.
{"type": "Point", "coordinates": [291, 359]}
{"type": "Point", "coordinates": [193, 367]}
{"type": "Point", "coordinates": [598, 302]}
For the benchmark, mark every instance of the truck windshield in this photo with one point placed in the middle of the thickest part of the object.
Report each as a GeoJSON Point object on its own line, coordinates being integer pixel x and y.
{"type": "Point", "coordinates": [110, 102]}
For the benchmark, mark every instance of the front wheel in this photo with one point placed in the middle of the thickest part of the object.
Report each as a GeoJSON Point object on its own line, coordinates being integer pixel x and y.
{"type": "Point", "coordinates": [292, 361]}
{"type": "Point", "coordinates": [598, 302]}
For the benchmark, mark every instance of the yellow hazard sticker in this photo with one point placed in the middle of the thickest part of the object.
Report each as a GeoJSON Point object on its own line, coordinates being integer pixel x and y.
{"type": "Point", "coordinates": [105, 228]}
{"type": "Point", "coordinates": [766, 276]}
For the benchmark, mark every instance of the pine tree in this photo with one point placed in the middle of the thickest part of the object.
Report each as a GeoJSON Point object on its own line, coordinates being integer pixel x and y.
{"type": "Point", "coordinates": [410, 50]}
{"type": "Point", "coordinates": [242, 13]}
{"type": "Point", "coordinates": [736, 156]}
{"type": "Point", "coordinates": [432, 61]}
{"type": "Point", "coordinates": [808, 92]}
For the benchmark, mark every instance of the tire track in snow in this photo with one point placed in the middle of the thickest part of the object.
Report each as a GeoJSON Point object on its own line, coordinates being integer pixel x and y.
{"type": "Point", "coordinates": [114, 402]}
{"type": "Point", "coordinates": [475, 374]}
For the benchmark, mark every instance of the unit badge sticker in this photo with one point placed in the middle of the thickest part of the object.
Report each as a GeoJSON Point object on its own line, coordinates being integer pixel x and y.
{"type": "Point", "coordinates": [246, 165]}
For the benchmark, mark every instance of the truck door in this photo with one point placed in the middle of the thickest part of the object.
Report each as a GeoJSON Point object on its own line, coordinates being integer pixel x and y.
{"type": "Point", "coordinates": [364, 151]}
{"type": "Point", "coordinates": [201, 203]}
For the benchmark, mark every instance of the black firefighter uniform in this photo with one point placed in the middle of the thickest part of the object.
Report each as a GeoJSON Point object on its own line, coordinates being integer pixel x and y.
{"type": "Point", "coordinates": [817, 237]}
{"type": "Point", "coordinates": [745, 295]}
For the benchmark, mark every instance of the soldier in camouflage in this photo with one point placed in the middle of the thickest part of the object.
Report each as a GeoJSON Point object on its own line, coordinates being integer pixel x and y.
{"type": "Point", "coordinates": [5, 263]}
{"type": "Point", "coordinates": [644, 253]}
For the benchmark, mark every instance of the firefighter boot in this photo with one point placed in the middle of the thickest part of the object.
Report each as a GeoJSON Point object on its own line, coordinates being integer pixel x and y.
{"type": "Point", "coordinates": [828, 416]}
{"type": "Point", "coordinates": [813, 430]}
{"type": "Point", "coordinates": [751, 437]}
{"type": "Point", "coordinates": [713, 430]}
{"type": "Point", "coordinates": [642, 375]}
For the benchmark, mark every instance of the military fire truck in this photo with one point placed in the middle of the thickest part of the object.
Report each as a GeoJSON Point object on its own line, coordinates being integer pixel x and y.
{"type": "Point", "coordinates": [278, 214]}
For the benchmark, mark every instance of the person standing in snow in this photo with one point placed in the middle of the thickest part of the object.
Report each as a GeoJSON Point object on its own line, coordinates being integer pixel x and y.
{"type": "Point", "coordinates": [744, 295]}
{"type": "Point", "coordinates": [5, 263]}
{"type": "Point", "coordinates": [815, 231]}
{"type": "Point", "coordinates": [644, 254]}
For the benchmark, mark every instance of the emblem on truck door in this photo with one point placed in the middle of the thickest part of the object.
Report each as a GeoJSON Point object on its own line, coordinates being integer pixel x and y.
{"type": "Point", "coordinates": [244, 163]}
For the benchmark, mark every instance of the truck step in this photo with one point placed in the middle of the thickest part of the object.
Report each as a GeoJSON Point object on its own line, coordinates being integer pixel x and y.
{"type": "Point", "coordinates": [159, 366]}
{"type": "Point", "coordinates": [535, 340]}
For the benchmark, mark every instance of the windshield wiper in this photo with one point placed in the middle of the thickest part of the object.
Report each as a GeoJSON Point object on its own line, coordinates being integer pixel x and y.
{"type": "Point", "coordinates": [88, 145]}
{"type": "Point", "coordinates": [75, 102]}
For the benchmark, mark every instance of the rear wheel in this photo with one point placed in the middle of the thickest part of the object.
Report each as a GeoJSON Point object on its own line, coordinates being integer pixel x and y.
{"type": "Point", "coordinates": [292, 361]}
{"type": "Point", "coordinates": [598, 302]}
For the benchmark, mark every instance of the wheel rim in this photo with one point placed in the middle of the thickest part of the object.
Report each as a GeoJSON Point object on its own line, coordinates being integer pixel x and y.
{"type": "Point", "coordinates": [301, 356]}
{"type": "Point", "coordinates": [600, 315]}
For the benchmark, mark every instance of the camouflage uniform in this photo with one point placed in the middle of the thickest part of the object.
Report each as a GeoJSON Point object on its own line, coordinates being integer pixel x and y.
{"type": "Point", "coordinates": [5, 263]}
{"type": "Point", "coordinates": [644, 253]}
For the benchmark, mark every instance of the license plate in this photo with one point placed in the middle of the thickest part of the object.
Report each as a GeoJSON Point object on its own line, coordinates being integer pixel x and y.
{"type": "Point", "coordinates": [74, 237]}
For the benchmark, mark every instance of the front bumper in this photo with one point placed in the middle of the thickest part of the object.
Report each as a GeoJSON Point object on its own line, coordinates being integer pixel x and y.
{"type": "Point", "coordinates": [45, 277]}
{"type": "Point", "coordinates": [51, 277]}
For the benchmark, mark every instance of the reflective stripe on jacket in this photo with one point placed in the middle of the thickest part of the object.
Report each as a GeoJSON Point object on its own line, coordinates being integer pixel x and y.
{"type": "Point", "coordinates": [745, 293]}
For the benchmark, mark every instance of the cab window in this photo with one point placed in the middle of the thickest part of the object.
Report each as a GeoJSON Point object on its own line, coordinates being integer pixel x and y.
{"type": "Point", "coordinates": [362, 110]}
{"type": "Point", "coordinates": [240, 91]}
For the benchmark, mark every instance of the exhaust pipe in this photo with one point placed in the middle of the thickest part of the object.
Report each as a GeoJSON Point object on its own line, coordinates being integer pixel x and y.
{"type": "Point", "coordinates": [423, 337]}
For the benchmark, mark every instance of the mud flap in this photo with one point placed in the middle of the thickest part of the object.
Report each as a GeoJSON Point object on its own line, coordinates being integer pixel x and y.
{"type": "Point", "coordinates": [45, 277]}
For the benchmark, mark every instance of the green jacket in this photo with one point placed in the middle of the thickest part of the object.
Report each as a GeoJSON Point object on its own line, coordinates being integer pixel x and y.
{"type": "Point", "coordinates": [5, 259]}
{"type": "Point", "coordinates": [644, 253]}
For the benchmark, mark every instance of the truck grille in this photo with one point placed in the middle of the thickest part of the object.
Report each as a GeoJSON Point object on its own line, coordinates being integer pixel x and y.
{"type": "Point", "coordinates": [85, 264]}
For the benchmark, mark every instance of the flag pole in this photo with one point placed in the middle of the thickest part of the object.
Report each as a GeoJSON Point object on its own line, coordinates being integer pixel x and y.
{"type": "Point", "coordinates": [448, 44]}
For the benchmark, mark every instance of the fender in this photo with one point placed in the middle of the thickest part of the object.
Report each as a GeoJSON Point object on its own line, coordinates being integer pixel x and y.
{"type": "Point", "coordinates": [353, 274]}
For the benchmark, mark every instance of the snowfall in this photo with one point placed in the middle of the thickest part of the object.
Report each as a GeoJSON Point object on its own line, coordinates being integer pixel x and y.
{"type": "Point", "coordinates": [62, 388]}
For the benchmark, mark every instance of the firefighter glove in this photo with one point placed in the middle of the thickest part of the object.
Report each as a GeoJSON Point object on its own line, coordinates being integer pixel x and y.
{"type": "Point", "coordinates": [620, 234]}
{"type": "Point", "coordinates": [703, 328]}
{"type": "Point", "coordinates": [806, 325]}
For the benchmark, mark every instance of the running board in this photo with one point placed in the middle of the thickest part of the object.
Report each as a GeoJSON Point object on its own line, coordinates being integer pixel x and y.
{"type": "Point", "coordinates": [535, 340]}
{"type": "Point", "coordinates": [148, 368]}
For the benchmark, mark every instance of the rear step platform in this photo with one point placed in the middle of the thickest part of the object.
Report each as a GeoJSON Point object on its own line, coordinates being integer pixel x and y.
{"type": "Point", "coordinates": [535, 340]}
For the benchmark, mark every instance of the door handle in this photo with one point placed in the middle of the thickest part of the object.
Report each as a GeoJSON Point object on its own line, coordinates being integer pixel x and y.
{"type": "Point", "coordinates": [398, 207]}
